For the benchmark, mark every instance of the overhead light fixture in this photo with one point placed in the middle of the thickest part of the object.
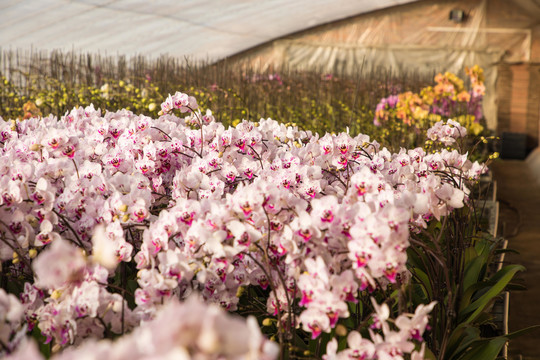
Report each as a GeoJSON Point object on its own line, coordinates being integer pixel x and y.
{"type": "Point", "coordinates": [457, 15]}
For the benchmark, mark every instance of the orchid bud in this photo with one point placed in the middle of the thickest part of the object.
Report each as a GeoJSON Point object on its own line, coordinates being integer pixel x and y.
{"type": "Point", "coordinates": [15, 257]}
{"type": "Point", "coordinates": [341, 330]}
{"type": "Point", "coordinates": [241, 290]}
{"type": "Point", "coordinates": [32, 220]}
{"type": "Point", "coordinates": [35, 147]}
{"type": "Point", "coordinates": [56, 294]}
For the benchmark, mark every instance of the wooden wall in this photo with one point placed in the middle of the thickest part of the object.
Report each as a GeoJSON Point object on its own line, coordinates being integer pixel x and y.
{"type": "Point", "coordinates": [504, 95]}
{"type": "Point", "coordinates": [533, 106]}
{"type": "Point", "coordinates": [518, 94]}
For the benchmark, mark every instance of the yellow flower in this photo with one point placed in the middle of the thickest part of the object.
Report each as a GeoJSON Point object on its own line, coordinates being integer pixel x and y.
{"type": "Point", "coordinates": [420, 113]}
{"type": "Point", "coordinates": [476, 128]}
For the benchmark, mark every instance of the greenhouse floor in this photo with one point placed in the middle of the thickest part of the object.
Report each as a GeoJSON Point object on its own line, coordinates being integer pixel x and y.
{"type": "Point", "coordinates": [518, 193]}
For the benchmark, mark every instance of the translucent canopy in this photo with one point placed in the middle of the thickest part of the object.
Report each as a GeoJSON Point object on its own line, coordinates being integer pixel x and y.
{"type": "Point", "coordinates": [197, 29]}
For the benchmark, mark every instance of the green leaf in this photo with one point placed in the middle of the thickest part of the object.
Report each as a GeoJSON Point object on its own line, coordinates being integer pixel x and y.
{"type": "Point", "coordinates": [483, 246]}
{"type": "Point", "coordinates": [424, 282]}
{"type": "Point", "coordinates": [44, 349]}
{"type": "Point", "coordinates": [414, 259]}
{"type": "Point", "coordinates": [516, 287]}
{"type": "Point", "coordinates": [471, 335]}
{"type": "Point", "coordinates": [487, 349]}
{"type": "Point", "coordinates": [484, 318]}
{"type": "Point", "coordinates": [510, 251]}
{"type": "Point", "coordinates": [433, 226]}
{"type": "Point", "coordinates": [473, 270]}
{"type": "Point", "coordinates": [460, 340]}
{"type": "Point", "coordinates": [518, 333]}
{"type": "Point", "coordinates": [465, 299]}
{"type": "Point", "coordinates": [342, 343]}
{"type": "Point", "coordinates": [428, 354]}
{"type": "Point", "coordinates": [498, 282]}
{"type": "Point", "coordinates": [469, 254]}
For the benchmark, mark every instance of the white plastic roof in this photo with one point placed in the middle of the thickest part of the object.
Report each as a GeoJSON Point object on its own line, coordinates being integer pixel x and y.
{"type": "Point", "coordinates": [197, 29]}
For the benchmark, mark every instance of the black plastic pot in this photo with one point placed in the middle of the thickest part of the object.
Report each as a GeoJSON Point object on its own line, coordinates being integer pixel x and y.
{"type": "Point", "coordinates": [513, 146]}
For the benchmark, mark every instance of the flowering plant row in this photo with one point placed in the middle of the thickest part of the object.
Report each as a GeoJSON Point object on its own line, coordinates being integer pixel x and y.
{"type": "Point", "coordinates": [107, 220]}
{"type": "Point", "coordinates": [448, 98]}
{"type": "Point", "coordinates": [57, 82]}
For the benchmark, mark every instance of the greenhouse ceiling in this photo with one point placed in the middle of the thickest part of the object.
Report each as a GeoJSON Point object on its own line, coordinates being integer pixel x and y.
{"type": "Point", "coordinates": [195, 29]}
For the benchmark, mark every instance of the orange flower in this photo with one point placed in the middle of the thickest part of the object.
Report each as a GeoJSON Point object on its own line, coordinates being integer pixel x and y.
{"type": "Point", "coordinates": [464, 96]}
